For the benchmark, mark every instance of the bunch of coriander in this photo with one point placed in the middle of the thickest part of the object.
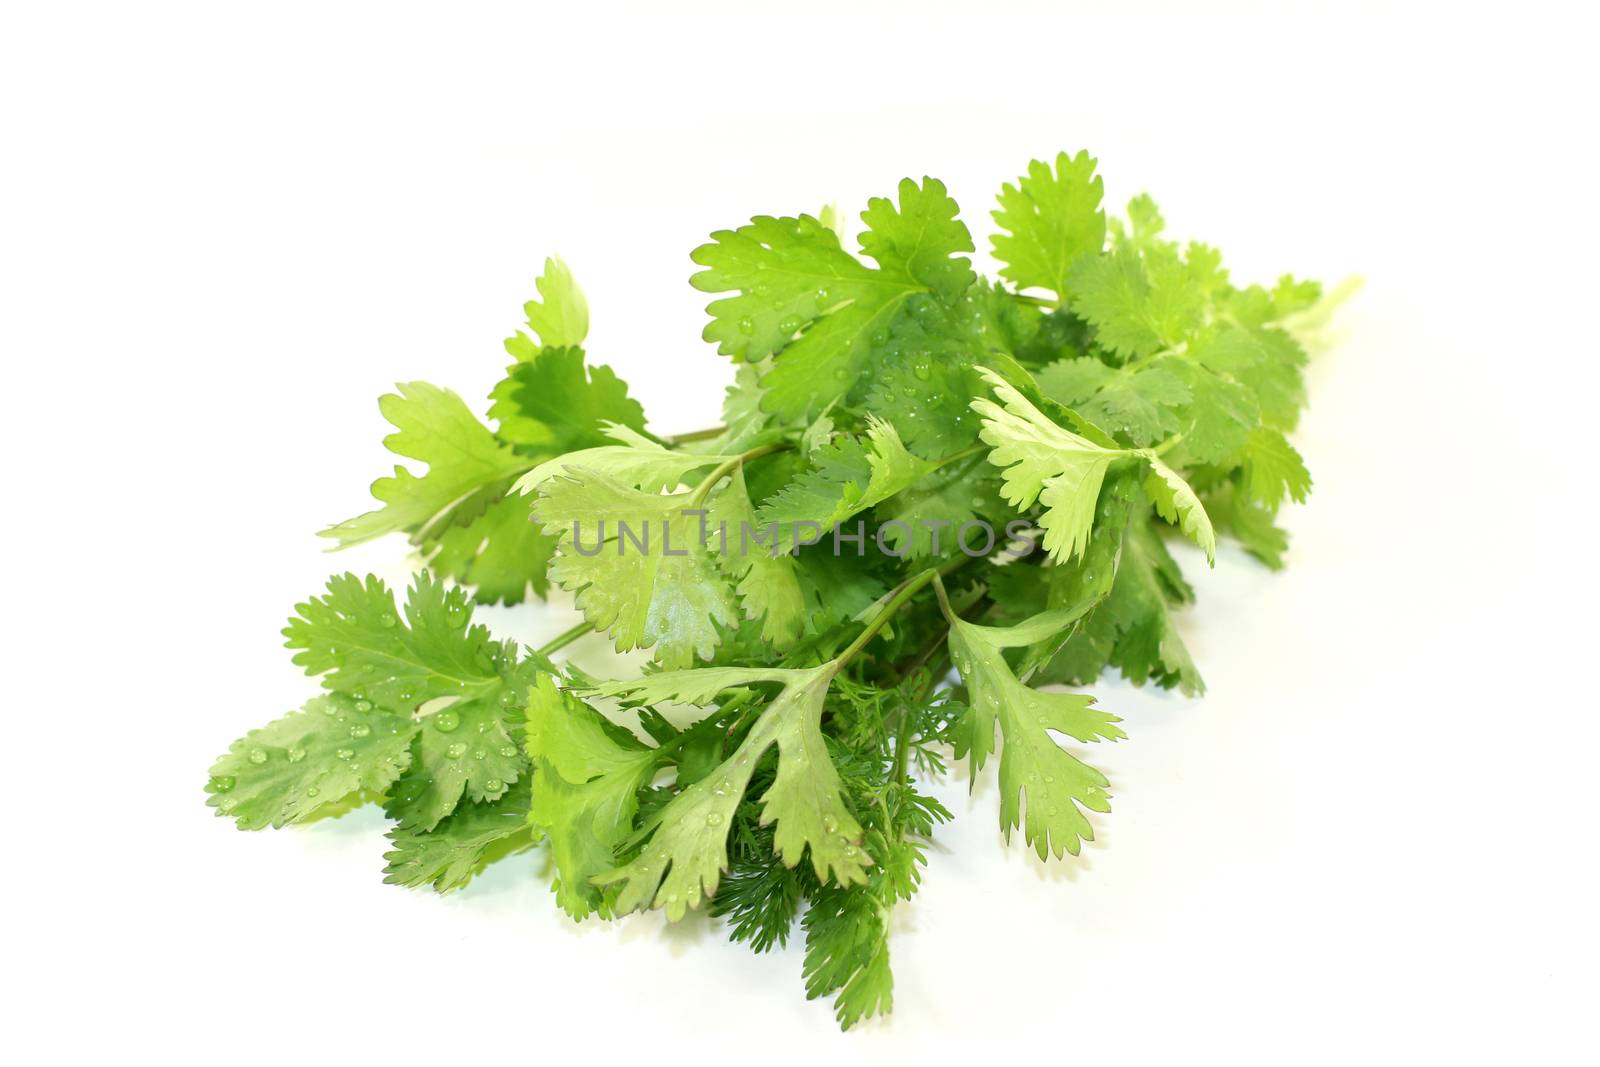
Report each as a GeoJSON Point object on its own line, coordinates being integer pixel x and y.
{"type": "Point", "coordinates": [918, 470]}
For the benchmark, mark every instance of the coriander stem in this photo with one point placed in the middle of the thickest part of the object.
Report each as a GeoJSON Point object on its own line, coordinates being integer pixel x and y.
{"type": "Point", "coordinates": [694, 435]}
{"type": "Point", "coordinates": [907, 589]}
{"type": "Point", "coordinates": [902, 593]}
{"type": "Point", "coordinates": [560, 641]}
{"type": "Point", "coordinates": [726, 467]}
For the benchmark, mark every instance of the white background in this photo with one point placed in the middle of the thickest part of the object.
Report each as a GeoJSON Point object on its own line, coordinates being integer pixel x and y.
{"type": "Point", "coordinates": [227, 230]}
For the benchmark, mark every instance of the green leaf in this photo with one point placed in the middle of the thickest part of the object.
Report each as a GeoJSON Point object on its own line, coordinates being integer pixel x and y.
{"type": "Point", "coordinates": [686, 854]}
{"type": "Point", "coordinates": [501, 554]}
{"type": "Point", "coordinates": [1137, 305]}
{"type": "Point", "coordinates": [1055, 784]}
{"type": "Point", "coordinates": [1176, 502]}
{"type": "Point", "coordinates": [803, 296]}
{"type": "Point", "coordinates": [357, 641]}
{"type": "Point", "coordinates": [1274, 470]}
{"type": "Point", "coordinates": [559, 317]}
{"type": "Point", "coordinates": [847, 951]}
{"type": "Point", "coordinates": [768, 577]}
{"type": "Point", "coordinates": [462, 845]}
{"type": "Point", "coordinates": [1142, 404]}
{"type": "Point", "coordinates": [637, 564]}
{"type": "Point", "coordinates": [636, 462]}
{"type": "Point", "coordinates": [1046, 463]}
{"type": "Point", "coordinates": [846, 478]}
{"type": "Point", "coordinates": [919, 238]}
{"type": "Point", "coordinates": [464, 460]}
{"type": "Point", "coordinates": [1051, 220]}
{"type": "Point", "coordinates": [287, 771]}
{"type": "Point", "coordinates": [585, 791]}
{"type": "Point", "coordinates": [552, 403]}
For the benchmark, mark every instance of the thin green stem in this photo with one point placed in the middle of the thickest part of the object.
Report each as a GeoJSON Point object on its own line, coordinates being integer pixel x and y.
{"type": "Point", "coordinates": [562, 640]}
{"type": "Point", "coordinates": [898, 599]}
{"type": "Point", "coordinates": [695, 435]}
{"type": "Point", "coordinates": [906, 590]}
{"type": "Point", "coordinates": [726, 467]}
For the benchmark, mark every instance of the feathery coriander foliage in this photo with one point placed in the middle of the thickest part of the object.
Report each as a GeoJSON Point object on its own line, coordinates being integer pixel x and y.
{"type": "Point", "coordinates": [920, 471]}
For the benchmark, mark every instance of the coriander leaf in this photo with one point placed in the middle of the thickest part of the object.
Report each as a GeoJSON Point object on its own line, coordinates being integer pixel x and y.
{"type": "Point", "coordinates": [847, 951]}
{"type": "Point", "coordinates": [637, 564]}
{"type": "Point", "coordinates": [1273, 470]}
{"type": "Point", "coordinates": [1248, 523]}
{"type": "Point", "coordinates": [454, 852]}
{"type": "Point", "coordinates": [788, 271]}
{"type": "Point", "coordinates": [501, 554]}
{"type": "Point", "coordinates": [687, 851]}
{"type": "Point", "coordinates": [288, 770]}
{"type": "Point", "coordinates": [355, 639]}
{"type": "Point", "coordinates": [768, 578]}
{"type": "Point", "coordinates": [1137, 305]}
{"type": "Point", "coordinates": [1176, 502]}
{"type": "Point", "coordinates": [1051, 219]}
{"type": "Point", "coordinates": [846, 478]}
{"type": "Point", "coordinates": [803, 296]}
{"type": "Point", "coordinates": [585, 790]}
{"type": "Point", "coordinates": [637, 462]}
{"type": "Point", "coordinates": [1055, 784]}
{"type": "Point", "coordinates": [1044, 462]}
{"type": "Point", "coordinates": [554, 403]}
{"type": "Point", "coordinates": [464, 459]}
{"type": "Point", "coordinates": [919, 238]}
{"type": "Point", "coordinates": [1142, 403]}
{"type": "Point", "coordinates": [559, 317]}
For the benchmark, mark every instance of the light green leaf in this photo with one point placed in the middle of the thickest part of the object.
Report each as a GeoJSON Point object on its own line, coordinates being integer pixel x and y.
{"type": "Point", "coordinates": [1055, 784]}
{"type": "Point", "coordinates": [585, 790]}
{"type": "Point", "coordinates": [1176, 502]}
{"type": "Point", "coordinates": [637, 564]}
{"type": "Point", "coordinates": [454, 852]}
{"type": "Point", "coordinates": [1044, 462]}
{"type": "Point", "coordinates": [554, 403]}
{"type": "Point", "coordinates": [288, 770]}
{"type": "Point", "coordinates": [681, 863]}
{"type": "Point", "coordinates": [768, 578]}
{"type": "Point", "coordinates": [464, 460]}
{"type": "Point", "coordinates": [559, 317]}
{"type": "Point", "coordinates": [1051, 219]}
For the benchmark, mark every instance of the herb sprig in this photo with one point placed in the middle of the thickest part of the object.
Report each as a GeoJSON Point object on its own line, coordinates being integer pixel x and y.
{"type": "Point", "coordinates": [932, 496]}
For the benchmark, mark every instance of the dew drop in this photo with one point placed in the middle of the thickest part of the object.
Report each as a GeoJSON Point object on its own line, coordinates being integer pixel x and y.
{"type": "Point", "coordinates": [508, 751]}
{"type": "Point", "coordinates": [363, 705]}
{"type": "Point", "coordinates": [829, 824]}
{"type": "Point", "coordinates": [493, 785]}
{"type": "Point", "coordinates": [345, 753]}
{"type": "Point", "coordinates": [747, 326]}
{"type": "Point", "coordinates": [360, 729]}
{"type": "Point", "coordinates": [222, 783]}
{"type": "Point", "coordinates": [296, 754]}
{"type": "Point", "coordinates": [258, 755]}
{"type": "Point", "coordinates": [822, 296]}
{"type": "Point", "coordinates": [388, 620]}
{"type": "Point", "coordinates": [788, 324]}
{"type": "Point", "coordinates": [714, 819]}
{"type": "Point", "coordinates": [922, 368]}
{"type": "Point", "coordinates": [479, 754]}
{"type": "Point", "coordinates": [312, 791]}
{"type": "Point", "coordinates": [456, 751]}
{"type": "Point", "coordinates": [446, 721]}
